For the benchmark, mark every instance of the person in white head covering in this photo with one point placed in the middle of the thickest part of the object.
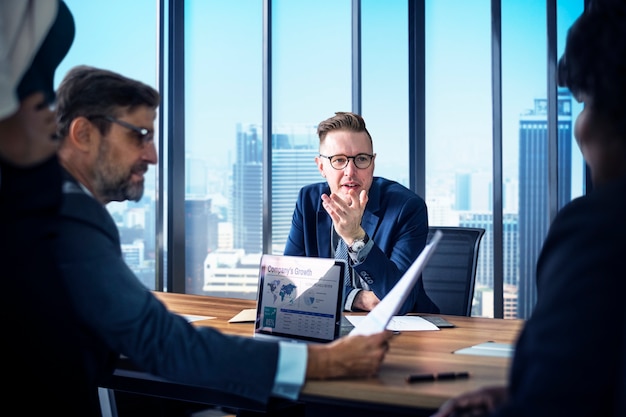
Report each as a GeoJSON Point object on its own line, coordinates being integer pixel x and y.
{"type": "Point", "coordinates": [41, 330]}
{"type": "Point", "coordinates": [35, 35]}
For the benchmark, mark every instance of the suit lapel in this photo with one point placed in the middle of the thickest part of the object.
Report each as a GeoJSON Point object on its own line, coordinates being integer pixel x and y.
{"type": "Point", "coordinates": [369, 222]}
{"type": "Point", "coordinates": [323, 231]}
{"type": "Point", "coordinates": [370, 218]}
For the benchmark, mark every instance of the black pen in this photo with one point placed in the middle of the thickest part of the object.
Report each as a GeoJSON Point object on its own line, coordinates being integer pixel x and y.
{"type": "Point", "coordinates": [436, 377]}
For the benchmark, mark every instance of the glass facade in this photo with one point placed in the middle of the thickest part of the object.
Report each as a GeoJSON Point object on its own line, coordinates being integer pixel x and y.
{"type": "Point", "coordinates": [258, 77]}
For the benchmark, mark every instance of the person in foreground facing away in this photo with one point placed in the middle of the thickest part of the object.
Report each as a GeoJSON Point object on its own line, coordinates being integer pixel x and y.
{"type": "Point", "coordinates": [106, 126]}
{"type": "Point", "coordinates": [570, 359]}
{"type": "Point", "coordinates": [383, 224]}
{"type": "Point", "coordinates": [40, 332]}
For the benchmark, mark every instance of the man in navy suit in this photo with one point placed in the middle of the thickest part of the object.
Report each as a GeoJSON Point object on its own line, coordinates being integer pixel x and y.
{"type": "Point", "coordinates": [106, 126]}
{"type": "Point", "coordinates": [570, 359]}
{"type": "Point", "coordinates": [380, 225]}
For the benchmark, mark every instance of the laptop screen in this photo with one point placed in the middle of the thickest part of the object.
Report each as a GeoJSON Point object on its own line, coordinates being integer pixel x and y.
{"type": "Point", "coordinates": [300, 298]}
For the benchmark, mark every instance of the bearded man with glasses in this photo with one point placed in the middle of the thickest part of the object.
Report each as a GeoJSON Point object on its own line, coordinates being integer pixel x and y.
{"type": "Point", "coordinates": [106, 128]}
{"type": "Point", "coordinates": [377, 225]}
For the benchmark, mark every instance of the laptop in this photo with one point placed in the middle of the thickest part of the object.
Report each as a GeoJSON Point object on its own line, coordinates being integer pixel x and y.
{"type": "Point", "coordinates": [378, 318]}
{"type": "Point", "coordinates": [300, 299]}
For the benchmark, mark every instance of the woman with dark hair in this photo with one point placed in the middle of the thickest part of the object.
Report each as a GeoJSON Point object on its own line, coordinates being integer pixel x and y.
{"type": "Point", "coordinates": [570, 359]}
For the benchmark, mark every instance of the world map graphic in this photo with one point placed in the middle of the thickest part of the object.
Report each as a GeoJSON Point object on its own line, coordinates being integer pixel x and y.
{"type": "Point", "coordinates": [283, 290]}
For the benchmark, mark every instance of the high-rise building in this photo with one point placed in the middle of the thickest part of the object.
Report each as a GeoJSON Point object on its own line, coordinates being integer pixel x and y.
{"type": "Point", "coordinates": [484, 270]}
{"type": "Point", "coordinates": [247, 191]}
{"type": "Point", "coordinates": [533, 187]}
{"type": "Point", "coordinates": [293, 166]}
{"type": "Point", "coordinates": [133, 254]}
{"type": "Point", "coordinates": [200, 239]}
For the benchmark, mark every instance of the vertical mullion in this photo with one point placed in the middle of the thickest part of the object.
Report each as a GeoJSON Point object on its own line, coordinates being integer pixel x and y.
{"type": "Point", "coordinates": [417, 97]}
{"type": "Point", "coordinates": [267, 126]}
{"type": "Point", "coordinates": [176, 147]}
{"type": "Point", "coordinates": [159, 283]}
{"type": "Point", "coordinates": [553, 161]}
{"type": "Point", "coordinates": [356, 57]}
{"type": "Point", "coordinates": [498, 227]}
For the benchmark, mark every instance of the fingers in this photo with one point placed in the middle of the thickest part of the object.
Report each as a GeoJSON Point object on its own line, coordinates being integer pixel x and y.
{"type": "Point", "coordinates": [350, 356]}
{"type": "Point", "coordinates": [366, 300]}
{"type": "Point", "coordinates": [37, 119]}
{"type": "Point", "coordinates": [373, 348]}
{"type": "Point", "coordinates": [444, 411]}
{"type": "Point", "coordinates": [26, 136]}
{"type": "Point", "coordinates": [368, 352]}
{"type": "Point", "coordinates": [474, 403]}
{"type": "Point", "coordinates": [346, 215]}
{"type": "Point", "coordinates": [363, 198]}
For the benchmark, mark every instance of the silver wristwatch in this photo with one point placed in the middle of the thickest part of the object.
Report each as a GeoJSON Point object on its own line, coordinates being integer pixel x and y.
{"type": "Point", "coordinates": [358, 244]}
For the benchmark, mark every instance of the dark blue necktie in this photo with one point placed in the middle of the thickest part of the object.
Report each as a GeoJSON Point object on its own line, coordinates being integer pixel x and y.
{"type": "Point", "coordinates": [342, 253]}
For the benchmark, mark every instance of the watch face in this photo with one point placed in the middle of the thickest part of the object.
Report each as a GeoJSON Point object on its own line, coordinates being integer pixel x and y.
{"type": "Point", "coordinates": [357, 246]}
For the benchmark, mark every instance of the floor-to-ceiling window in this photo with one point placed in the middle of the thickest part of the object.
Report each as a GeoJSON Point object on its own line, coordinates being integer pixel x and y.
{"type": "Point", "coordinates": [525, 143]}
{"type": "Point", "coordinates": [311, 80]}
{"type": "Point", "coordinates": [223, 146]}
{"type": "Point", "coordinates": [525, 131]}
{"type": "Point", "coordinates": [459, 118]}
{"type": "Point", "coordinates": [459, 125]}
{"type": "Point", "coordinates": [384, 85]}
{"type": "Point", "coordinates": [124, 42]}
{"type": "Point", "coordinates": [313, 49]}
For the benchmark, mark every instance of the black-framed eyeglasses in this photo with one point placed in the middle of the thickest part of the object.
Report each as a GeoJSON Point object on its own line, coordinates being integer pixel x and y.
{"type": "Point", "coordinates": [361, 160]}
{"type": "Point", "coordinates": [145, 135]}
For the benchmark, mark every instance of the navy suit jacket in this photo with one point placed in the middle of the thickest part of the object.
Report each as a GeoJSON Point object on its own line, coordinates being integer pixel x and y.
{"type": "Point", "coordinates": [121, 316]}
{"type": "Point", "coordinates": [571, 357]}
{"type": "Point", "coordinates": [395, 218]}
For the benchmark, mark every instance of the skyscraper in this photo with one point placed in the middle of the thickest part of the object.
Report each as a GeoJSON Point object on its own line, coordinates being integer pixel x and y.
{"type": "Point", "coordinates": [293, 166]}
{"type": "Point", "coordinates": [247, 192]}
{"type": "Point", "coordinates": [200, 239]}
{"type": "Point", "coordinates": [484, 272]}
{"type": "Point", "coordinates": [533, 187]}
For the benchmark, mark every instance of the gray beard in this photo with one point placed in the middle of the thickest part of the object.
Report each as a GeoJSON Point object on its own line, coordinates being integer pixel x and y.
{"type": "Point", "coordinates": [120, 190]}
{"type": "Point", "coordinates": [112, 182]}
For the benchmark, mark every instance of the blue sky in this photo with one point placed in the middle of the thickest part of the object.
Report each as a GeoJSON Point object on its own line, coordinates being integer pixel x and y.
{"type": "Point", "coordinates": [311, 77]}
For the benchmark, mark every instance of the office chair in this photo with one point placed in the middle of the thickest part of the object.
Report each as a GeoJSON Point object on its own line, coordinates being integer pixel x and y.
{"type": "Point", "coordinates": [450, 274]}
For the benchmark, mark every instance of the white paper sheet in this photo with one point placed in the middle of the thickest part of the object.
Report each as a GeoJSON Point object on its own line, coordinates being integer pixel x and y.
{"type": "Point", "coordinates": [376, 320]}
{"type": "Point", "coordinates": [401, 323]}
{"type": "Point", "coordinates": [247, 315]}
{"type": "Point", "coordinates": [191, 318]}
{"type": "Point", "coordinates": [501, 350]}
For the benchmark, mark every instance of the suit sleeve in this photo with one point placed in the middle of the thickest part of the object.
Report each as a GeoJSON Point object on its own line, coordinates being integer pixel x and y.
{"type": "Point", "coordinates": [125, 315]}
{"type": "Point", "coordinates": [400, 238]}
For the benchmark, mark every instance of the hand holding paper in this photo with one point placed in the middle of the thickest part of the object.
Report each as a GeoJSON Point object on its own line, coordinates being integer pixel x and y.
{"type": "Point", "coordinates": [376, 320]}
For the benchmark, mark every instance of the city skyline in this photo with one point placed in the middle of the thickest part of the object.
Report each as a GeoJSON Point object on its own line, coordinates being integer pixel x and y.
{"type": "Point", "coordinates": [312, 78]}
{"type": "Point", "coordinates": [207, 242]}
{"type": "Point", "coordinates": [523, 62]}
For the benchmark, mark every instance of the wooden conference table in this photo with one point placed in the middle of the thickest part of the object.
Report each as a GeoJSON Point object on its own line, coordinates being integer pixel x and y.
{"type": "Point", "coordinates": [387, 394]}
